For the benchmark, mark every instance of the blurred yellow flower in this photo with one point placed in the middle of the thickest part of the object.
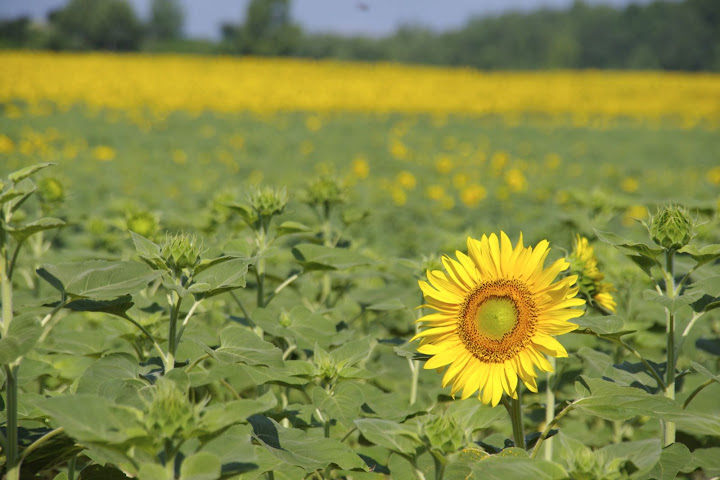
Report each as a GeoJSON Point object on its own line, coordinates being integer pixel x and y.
{"type": "Point", "coordinates": [399, 196]}
{"type": "Point", "coordinates": [406, 179]}
{"type": "Point", "coordinates": [360, 167]}
{"type": "Point", "coordinates": [179, 157]}
{"type": "Point", "coordinates": [552, 161]}
{"type": "Point", "coordinates": [6, 144]}
{"type": "Point", "coordinates": [435, 192]}
{"type": "Point", "coordinates": [443, 164]}
{"type": "Point", "coordinates": [313, 123]}
{"type": "Point", "coordinates": [713, 175]}
{"type": "Point", "coordinates": [498, 162]}
{"type": "Point", "coordinates": [632, 213]}
{"type": "Point", "coordinates": [398, 149]}
{"type": "Point", "coordinates": [103, 153]}
{"type": "Point", "coordinates": [306, 148]}
{"type": "Point", "coordinates": [630, 185]}
{"type": "Point", "coordinates": [515, 179]}
{"type": "Point", "coordinates": [472, 195]}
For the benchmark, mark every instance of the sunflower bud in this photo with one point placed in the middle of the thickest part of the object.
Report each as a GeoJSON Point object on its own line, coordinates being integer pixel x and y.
{"type": "Point", "coordinates": [325, 191]}
{"type": "Point", "coordinates": [142, 222]}
{"type": "Point", "coordinates": [444, 433]}
{"type": "Point", "coordinates": [672, 227]}
{"type": "Point", "coordinates": [181, 251]}
{"type": "Point", "coordinates": [169, 413]}
{"type": "Point", "coordinates": [268, 201]}
{"type": "Point", "coordinates": [51, 190]}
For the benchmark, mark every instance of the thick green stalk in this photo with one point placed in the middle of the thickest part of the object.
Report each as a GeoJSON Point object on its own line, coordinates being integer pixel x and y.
{"type": "Point", "coordinates": [172, 331]}
{"type": "Point", "coordinates": [11, 453]}
{"type": "Point", "coordinates": [669, 427]}
{"type": "Point", "coordinates": [516, 417]}
{"type": "Point", "coordinates": [549, 409]}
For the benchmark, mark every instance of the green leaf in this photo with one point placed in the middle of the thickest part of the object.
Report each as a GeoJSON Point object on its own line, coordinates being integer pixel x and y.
{"type": "Point", "coordinates": [200, 466]}
{"type": "Point", "coordinates": [705, 372]}
{"type": "Point", "coordinates": [21, 337]}
{"type": "Point", "coordinates": [301, 449]}
{"type": "Point", "coordinates": [672, 304]}
{"type": "Point", "coordinates": [353, 352]}
{"type": "Point", "coordinates": [391, 435]}
{"type": "Point", "coordinates": [706, 458]}
{"type": "Point", "coordinates": [148, 250]}
{"type": "Point", "coordinates": [514, 464]}
{"type": "Point", "coordinates": [318, 257]}
{"type": "Point", "coordinates": [343, 404]}
{"type": "Point", "coordinates": [221, 415]}
{"type": "Point", "coordinates": [705, 293]}
{"type": "Point", "coordinates": [614, 402]}
{"type": "Point", "coordinates": [286, 228]}
{"type": "Point", "coordinates": [306, 328]}
{"type": "Point", "coordinates": [89, 418]}
{"type": "Point", "coordinates": [644, 455]}
{"type": "Point", "coordinates": [114, 377]}
{"type": "Point", "coordinates": [154, 471]}
{"type": "Point", "coordinates": [223, 276]}
{"type": "Point", "coordinates": [673, 459]}
{"type": "Point", "coordinates": [23, 173]}
{"type": "Point", "coordinates": [605, 325]}
{"type": "Point", "coordinates": [242, 345]}
{"type": "Point", "coordinates": [117, 306]}
{"type": "Point", "coordinates": [22, 232]}
{"type": "Point", "coordinates": [703, 255]}
{"type": "Point", "coordinates": [460, 464]}
{"type": "Point", "coordinates": [98, 279]}
{"type": "Point", "coordinates": [234, 449]}
{"type": "Point", "coordinates": [628, 247]}
{"type": "Point", "coordinates": [100, 472]}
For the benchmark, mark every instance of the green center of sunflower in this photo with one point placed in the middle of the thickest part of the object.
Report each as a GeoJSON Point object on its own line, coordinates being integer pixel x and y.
{"type": "Point", "coordinates": [496, 317]}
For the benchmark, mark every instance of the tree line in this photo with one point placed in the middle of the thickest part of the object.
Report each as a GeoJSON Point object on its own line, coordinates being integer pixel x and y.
{"type": "Point", "coordinates": [669, 35]}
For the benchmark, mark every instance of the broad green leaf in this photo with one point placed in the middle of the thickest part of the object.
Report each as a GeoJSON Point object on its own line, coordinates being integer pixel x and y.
{"type": "Point", "coordinates": [301, 449]}
{"type": "Point", "coordinates": [100, 472]}
{"type": "Point", "coordinates": [221, 415]}
{"type": "Point", "coordinates": [353, 352]}
{"type": "Point", "coordinates": [388, 406]}
{"type": "Point", "coordinates": [200, 466]}
{"type": "Point", "coordinates": [306, 328]}
{"type": "Point", "coordinates": [607, 324]}
{"type": "Point", "coordinates": [23, 173]}
{"type": "Point", "coordinates": [223, 276]}
{"type": "Point", "coordinates": [706, 458]}
{"type": "Point", "coordinates": [148, 250]}
{"type": "Point", "coordinates": [516, 465]}
{"type": "Point", "coordinates": [154, 471]}
{"type": "Point", "coordinates": [98, 279]}
{"type": "Point", "coordinates": [22, 232]}
{"type": "Point", "coordinates": [628, 247]}
{"type": "Point", "coordinates": [22, 335]}
{"type": "Point", "coordinates": [643, 454]}
{"type": "Point", "coordinates": [702, 255]}
{"type": "Point", "coordinates": [391, 435]}
{"type": "Point", "coordinates": [117, 306]}
{"type": "Point", "coordinates": [89, 418]}
{"type": "Point", "coordinates": [234, 449]}
{"type": "Point", "coordinates": [388, 305]}
{"type": "Point", "coordinates": [705, 372]}
{"type": "Point", "coordinates": [614, 402]}
{"type": "Point", "coordinates": [705, 294]}
{"type": "Point", "coordinates": [241, 345]}
{"type": "Point", "coordinates": [317, 257]}
{"type": "Point", "coordinates": [18, 194]}
{"type": "Point", "coordinates": [473, 415]}
{"type": "Point", "coordinates": [460, 465]}
{"type": "Point", "coordinates": [343, 404]}
{"type": "Point", "coordinates": [673, 459]}
{"type": "Point", "coordinates": [286, 228]}
{"type": "Point", "coordinates": [672, 304]}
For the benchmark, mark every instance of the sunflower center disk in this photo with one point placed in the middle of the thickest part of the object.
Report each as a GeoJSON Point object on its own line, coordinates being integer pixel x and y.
{"type": "Point", "coordinates": [496, 318]}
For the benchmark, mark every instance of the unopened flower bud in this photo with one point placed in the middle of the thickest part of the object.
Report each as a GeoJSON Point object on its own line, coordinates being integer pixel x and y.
{"type": "Point", "coordinates": [181, 251]}
{"type": "Point", "coordinates": [672, 227]}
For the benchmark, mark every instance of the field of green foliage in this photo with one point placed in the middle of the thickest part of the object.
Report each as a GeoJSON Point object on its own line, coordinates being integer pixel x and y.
{"type": "Point", "coordinates": [232, 295]}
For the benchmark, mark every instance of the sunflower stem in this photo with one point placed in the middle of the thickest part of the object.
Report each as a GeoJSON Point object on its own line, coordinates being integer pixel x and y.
{"type": "Point", "coordinates": [516, 417]}
{"type": "Point", "coordinates": [549, 409]}
{"type": "Point", "coordinates": [669, 427]}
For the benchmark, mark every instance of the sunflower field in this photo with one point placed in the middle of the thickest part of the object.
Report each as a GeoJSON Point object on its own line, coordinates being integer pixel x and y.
{"type": "Point", "coordinates": [225, 268]}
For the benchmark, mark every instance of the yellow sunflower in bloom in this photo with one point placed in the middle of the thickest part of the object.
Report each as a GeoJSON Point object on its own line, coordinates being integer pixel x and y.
{"type": "Point", "coordinates": [583, 263]}
{"type": "Point", "coordinates": [497, 310]}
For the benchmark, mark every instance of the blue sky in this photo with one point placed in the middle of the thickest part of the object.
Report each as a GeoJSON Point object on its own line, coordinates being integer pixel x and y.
{"type": "Point", "coordinates": [368, 17]}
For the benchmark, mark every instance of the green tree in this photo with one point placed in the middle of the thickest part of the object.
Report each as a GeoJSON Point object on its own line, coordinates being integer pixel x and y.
{"type": "Point", "coordinates": [267, 30]}
{"type": "Point", "coordinates": [166, 20]}
{"type": "Point", "coordinates": [96, 24]}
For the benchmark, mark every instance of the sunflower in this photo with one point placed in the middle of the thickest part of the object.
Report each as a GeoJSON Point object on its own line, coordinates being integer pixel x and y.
{"type": "Point", "coordinates": [497, 310]}
{"type": "Point", "coordinates": [583, 263]}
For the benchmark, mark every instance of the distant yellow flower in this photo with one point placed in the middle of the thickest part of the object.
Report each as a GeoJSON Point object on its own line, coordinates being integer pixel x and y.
{"type": "Point", "coordinates": [179, 157]}
{"type": "Point", "coordinates": [497, 312]}
{"type": "Point", "coordinates": [6, 144]}
{"type": "Point", "coordinates": [313, 123]}
{"type": "Point", "coordinates": [713, 175]}
{"type": "Point", "coordinates": [632, 213]}
{"type": "Point", "coordinates": [630, 185]}
{"type": "Point", "coordinates": [583, 263]}
{"type": "Point", "coordinates": [435, 192]}
{"type": "Point", "coordinates": [443, 164]}
{"type": "Point", "coordinates": [306, 148]}
{"type": "Point", "coordinates": [398, 149]}
{"type": "Point", "coordinates": [498, 162]}
{"type": "Point", "coordinates": [399, 196]}
{"type": "Point", "coordinates": [406, 179]}
{"type": "Point", "coordinates": [460, 180]}
{"type": "Point", "coordinates": [552, 161]}
{"type": "Point", "coordinates": [515, 179]}
{"type": "Point", "coordinates": [103, 153]}
{"type": "Point", "coordinates": [472, 195]}
{"type": "Point", "coordinates": [360, 167]}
